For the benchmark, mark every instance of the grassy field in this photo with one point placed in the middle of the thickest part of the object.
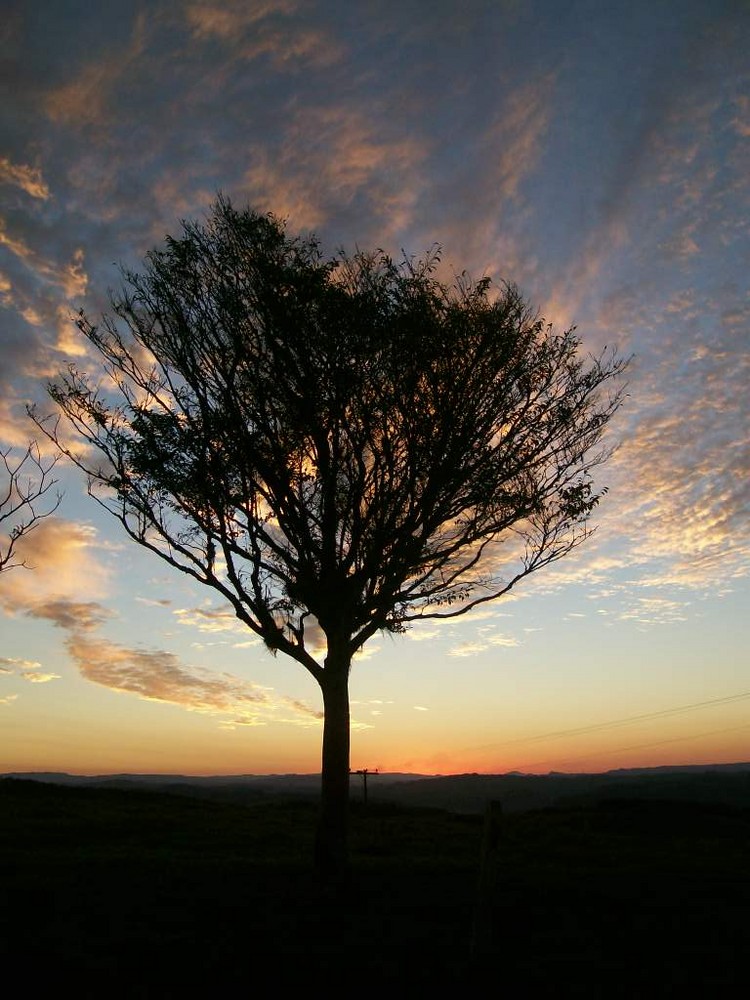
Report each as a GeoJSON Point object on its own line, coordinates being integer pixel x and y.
{"type": "Point", "coordinates": [146, 895]}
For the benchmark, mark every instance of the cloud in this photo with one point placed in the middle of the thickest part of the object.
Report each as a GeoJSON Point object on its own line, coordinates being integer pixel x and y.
{"type": "Point", "coordinates": [210, 619]}
{"type": "Point", "coordinates": [351, 162]}
{"type": "Point", "coordinates": [85, 100]}
{"type": "Point", "coordinates": [477, 205]}
{"type": "Point", "coordinates": [70, 277]}
{"type": "Point", "coordinates": [680, 480]}
{"type": "Point", "coordinates": [514, 140]}
{"type": "Point", "coordinates": [74, 616]}
{"type": "Point", "coordinates": [365, 652]}
{"type": "Point", "coordinates": [229, 19]}
{"type": "Point", "coordinates": [28, 670]}
{"type": "Point", "coordinates": [741, 121]}
{"type": "Point", "coordinates": [501, 639]}
{"type": "Point", "coordinates": [10, 663]}
{"type": "Point", "coordinates": [8, 699]}
{"type": "Point", "coordinates": [468, 648]}
{"type": "Point", "coordinates": [656, 610]}
{"type": "Point", "coordinates": [64, 570]}
{"type": "Point", "coordinates": [29, 179]}
{"type": "Point", "coordinates": [66, 573]}
{"type": "Point", "coordinates": [253, 31]}
{"type": "Point", "coordinates": [39, 678]}
{"type": "Point", "coordinates": [423, 633]}
{"type": "Point", "coordinates": [64, 588]}
{"type": "Point", "coordinates": [159, 675]}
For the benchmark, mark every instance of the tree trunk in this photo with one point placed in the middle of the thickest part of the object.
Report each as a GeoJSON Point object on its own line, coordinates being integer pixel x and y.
{"type": "Point", "coordinates": [331, 845]}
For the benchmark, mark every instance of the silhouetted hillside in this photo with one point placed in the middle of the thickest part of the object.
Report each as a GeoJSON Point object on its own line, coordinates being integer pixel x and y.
{"type": "Point", "coordinates": [468, 793]}
{"type": "Point", "coordinates": [135, 893]}
{"type": "Point", "coordinates": [521, 792]}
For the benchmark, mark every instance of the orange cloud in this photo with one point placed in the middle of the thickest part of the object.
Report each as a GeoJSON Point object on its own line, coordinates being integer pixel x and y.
{"type": "Point", "coordinates": [346, 156]}
{"type": "Point", "coordinates": [227, 19]}
{"type": "Point", "coordinates": [85, 99]}
{"type": "Point", "coordinates": [156, 675]}
{"type": "Point", "coordinates": [73, 616]}
{"type": "Point", "coordinates": [263, 29]}
{"type": "Point", "coordinates": [515, 137]}
{"type": "Point", "coordinates": [29, 179]}
{"type": "Point", "coordinates": [62, 555]}
{"type": "Point", "coordinates": [70, 277]}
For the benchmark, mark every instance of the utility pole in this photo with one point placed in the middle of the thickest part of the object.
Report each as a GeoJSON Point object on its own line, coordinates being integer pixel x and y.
{"type": "Point", "coordinates": [364, 772]}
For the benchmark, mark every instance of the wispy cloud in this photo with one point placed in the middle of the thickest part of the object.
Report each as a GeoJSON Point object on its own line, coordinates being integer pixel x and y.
{"type": "Point", "coordinates": [348, 161]}
{"type": "Point", "coordinates": [157, 675]}
{"type": "Point", "coordinates": [72, 616]}
{"type": "Point", "coordinates": [28, 670]}
{"type": "Point", "coordinates": [468, 648]}
{"type": "Point", "coordinates": [210, 619]}
{"type": "Point", "coordinates": [8, 664]}
{"type": "Point", "coordinates": [29, 179]}
{"type": "Point", "coordinates": [252, 31]}
{"type": "Point", "coordinates": [64, 571]}
{"type": "Point", "coordinates": [38, 677]}
{"type": "Point", "coordinates": [86, 100]}
{"type": "Point", "coordinates": [70, 277]}
{"type": "Point", "coordinates": [228, 19]}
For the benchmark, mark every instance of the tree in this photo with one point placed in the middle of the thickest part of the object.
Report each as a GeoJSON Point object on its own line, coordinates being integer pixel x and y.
{"type": "Point", "coordinates": [24, 482]}
{"type": "Point", "coordinates": [335, 445]}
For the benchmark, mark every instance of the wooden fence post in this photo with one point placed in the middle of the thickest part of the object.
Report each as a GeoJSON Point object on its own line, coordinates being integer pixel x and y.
{"type": "Point", "coordinates": [481, 941]}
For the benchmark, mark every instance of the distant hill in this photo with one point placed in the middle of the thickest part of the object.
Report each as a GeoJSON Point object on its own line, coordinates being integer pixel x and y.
{"type": "Point", "coordinates": [469, 793]}
{"type": "Point", "coordinates": [727, 784]}
{"type": "Point", "coordinates": [127, 892]}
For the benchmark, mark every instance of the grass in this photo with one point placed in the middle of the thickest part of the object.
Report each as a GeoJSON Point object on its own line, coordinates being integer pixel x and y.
{"type": "Point", "coordinates": [147, 895]}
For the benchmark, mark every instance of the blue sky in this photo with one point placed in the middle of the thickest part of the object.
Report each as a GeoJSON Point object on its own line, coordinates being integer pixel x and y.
{"type": "Point", "coordinates": [596, 153]}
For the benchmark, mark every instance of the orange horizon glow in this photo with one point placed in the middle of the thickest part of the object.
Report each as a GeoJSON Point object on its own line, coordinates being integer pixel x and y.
{"type": "Point", "coordinates": [418, 765]}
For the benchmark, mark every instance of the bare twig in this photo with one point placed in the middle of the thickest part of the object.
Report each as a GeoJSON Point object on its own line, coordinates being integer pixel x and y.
{"type": "Point", "coordinates": [27, 482]}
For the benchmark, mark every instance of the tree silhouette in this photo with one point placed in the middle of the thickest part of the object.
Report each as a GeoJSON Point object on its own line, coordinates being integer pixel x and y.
{"type": "Point", "coordinates": [24, 482]}
{"type": "Point", "coordinates": [337, 446]}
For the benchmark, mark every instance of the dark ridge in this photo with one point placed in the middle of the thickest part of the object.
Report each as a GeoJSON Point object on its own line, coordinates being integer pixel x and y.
{"type": "Point", "coordinates": [132, 892]}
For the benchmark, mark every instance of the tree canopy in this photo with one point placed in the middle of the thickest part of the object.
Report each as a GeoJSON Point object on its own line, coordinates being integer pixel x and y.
{"type": "Point", "coordinates": [339, 444]}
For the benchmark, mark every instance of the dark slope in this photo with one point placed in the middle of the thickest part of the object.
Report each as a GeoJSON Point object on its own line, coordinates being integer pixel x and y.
{"type": "Point", "coordinates": [134, 893]}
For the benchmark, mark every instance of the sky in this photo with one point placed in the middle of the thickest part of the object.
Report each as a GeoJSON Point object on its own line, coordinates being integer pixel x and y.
{"type": "Point", "coordinates": [594, 152]}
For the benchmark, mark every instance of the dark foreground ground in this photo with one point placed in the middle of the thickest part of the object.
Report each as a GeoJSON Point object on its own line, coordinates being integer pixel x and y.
{"type": "Point", "coordinates": [139, 894]}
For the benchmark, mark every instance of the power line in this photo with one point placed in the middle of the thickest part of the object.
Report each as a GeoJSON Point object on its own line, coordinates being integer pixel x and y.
{"type": "Point", "coordinates": [616, 723]}
{"type": "Point", "coordinates": [637, 746]}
